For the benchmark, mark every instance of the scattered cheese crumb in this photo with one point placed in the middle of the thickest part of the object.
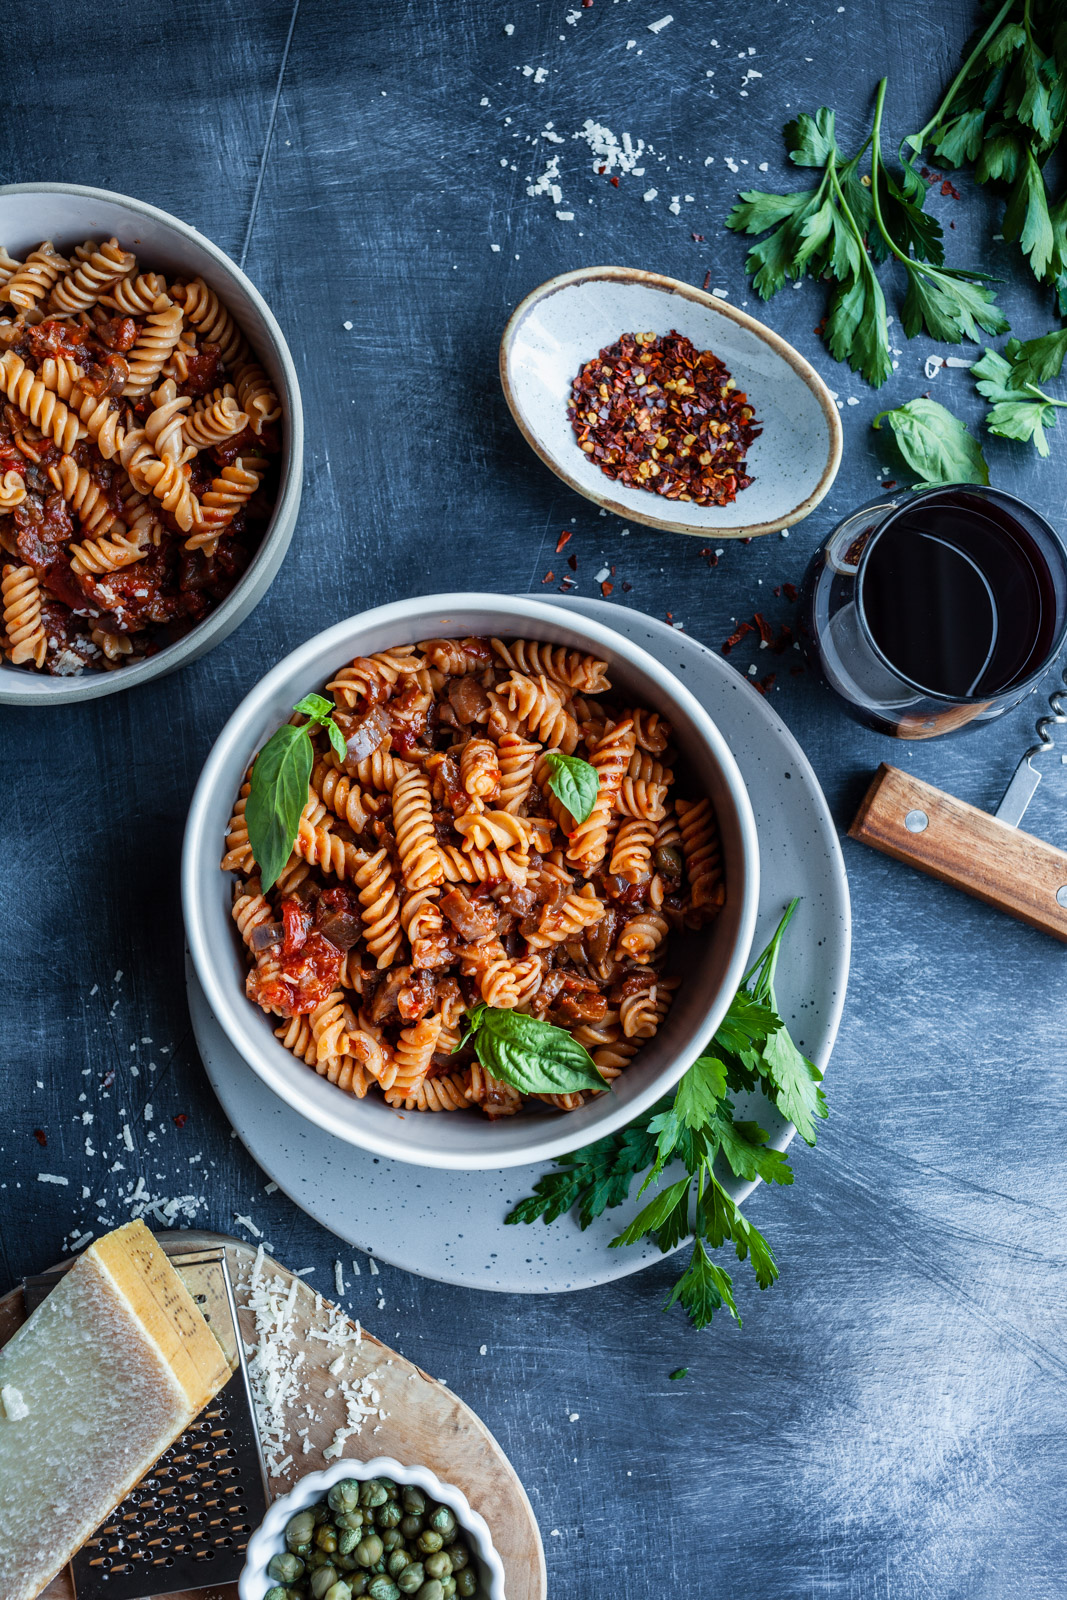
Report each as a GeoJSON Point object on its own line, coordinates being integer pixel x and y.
{"type": "Point", "coordinates": [127, 1136]}
{"type": "Point", "coordinates": [564, 216]}
{"type": "Point", "coordinates": [347, 327]}
{"type": "Point", "coordinates": [650, 194]}
{"type": "Point", "coordinates": [15, 1407]}
{"type": "Point", "coordinates": [51, 1177]}
{"type": "Point", "coordinates": [373, 1267]}
{"type": "Point", "coordinates": [664, 22]}
{"type": "Point", "coordinates": [509, 28]}
{"type": "Point", "coordinates": [338, 1278]}
{"type": "Point", "coordinates": [572, 1416]}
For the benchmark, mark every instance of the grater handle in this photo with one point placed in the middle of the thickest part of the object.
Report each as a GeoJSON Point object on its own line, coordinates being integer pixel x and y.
{"type": "Point", "coordinates": [967, 848]}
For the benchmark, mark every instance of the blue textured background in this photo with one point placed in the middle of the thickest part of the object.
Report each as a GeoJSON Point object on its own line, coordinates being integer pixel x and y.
{"type": "Point", "coordinates": [889, 1422]}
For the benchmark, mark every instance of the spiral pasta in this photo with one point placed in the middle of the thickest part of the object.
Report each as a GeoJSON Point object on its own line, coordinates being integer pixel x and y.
{"type": "Point", "coordinates": [94, 557]}
{"type": "Point", "coordinates": [12, 490]}
{"type": "Point", "coordinates": [229, 492]}
{"type": "Point", "coordinates": [23, 628]}
{"type": "Point", "coordinates": [206, 313]}
{"type": "Point", "coordinates": [76, 486]}
{"type": "Point", "coordinates": [163, 426]}
{"type": "Point", "coordinates": [160, 332]}
{"type": "Point", "coordinates": [425, 885]}
{"type": "Point", "coordinates": [97, 271]}
{"type": "Point", "coordinates": [256, 395]}
{"type": "Point", "coordinates": [22, 386]}
{"type": "Point", "coordinates": [135, 294]}
{"type": "Point", "coordinates": [214, 420]}
{"type": "Point", "coordinates": [573, 669]}
{"type": "Point", "coordinates": [33, 279]}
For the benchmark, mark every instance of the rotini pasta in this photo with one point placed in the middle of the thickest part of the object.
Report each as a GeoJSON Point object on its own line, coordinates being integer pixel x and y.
{"type": "Point", "coordinates": [434, 870]}
{"type": "Point", "coordinates": [135, 483]}
{"type": "Point", "coordinates": [24, 633]}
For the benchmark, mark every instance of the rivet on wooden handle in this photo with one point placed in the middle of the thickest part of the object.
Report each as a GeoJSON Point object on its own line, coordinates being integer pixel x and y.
{"type": "Point", "coordinates": [970, 849]}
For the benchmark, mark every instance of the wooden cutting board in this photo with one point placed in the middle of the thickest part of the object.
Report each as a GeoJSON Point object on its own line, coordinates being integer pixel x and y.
{"type": "Point", "coordinates": [423, 1422]}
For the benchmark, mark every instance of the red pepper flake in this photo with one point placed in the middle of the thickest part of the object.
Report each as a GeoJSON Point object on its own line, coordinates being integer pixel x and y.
{"type": "Point", "coordinates": [789, 590]}
{"type": "Point", "coordinates": [766, 684]}
{"type": "Point", "coordinates": [698, 238]}
{"type": "Point", "coordinates": [709, 555]}
{"type": "Point", "coordinates": [614, 183]}
{"type": "Point", "coordinates": [930, 176]}
{"type": "Point", "coordinates": [180, 1120]}
{"type": "Point", "coordinates": [606, 588]}
{"type": "Point", "coordinates": [766, 632]}
{"type": "Point", "coordinates": [564, 538]}
{"type": "Point", "coordinates": [736, 637]}
{"type": "Point", "coordinates": [107, 1080]}
{"type": "Point", "coordinates": [626, 588]}
{"type": "Point", "coordinates": [952, 224]}
{"type": "Point", "coordinates": [548, 577]}
{"type": "Point", "coordinates": [572, 562]}
{"type": "Point", "coordinates": [602, 170]}
{"type": "Point", "coordinates": [890, 483]}
{"type": "Point", "coordinates": [707, 280]}
{"type": "Point", "coordinates": [41, 1137]}
{"type": "Point", "coordinates": [950, 188]}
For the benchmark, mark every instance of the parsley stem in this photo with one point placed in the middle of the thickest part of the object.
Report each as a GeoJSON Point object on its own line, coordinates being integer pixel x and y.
{"type": "Point", "coordinates": [918, 140]}
{"type": "Point", "coordinates": [1047, 398]}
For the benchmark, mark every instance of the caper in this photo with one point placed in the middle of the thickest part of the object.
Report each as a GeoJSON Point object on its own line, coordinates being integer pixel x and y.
{"type": "Point", "coordinates": [326, 1538]}
{"type": "Point", "coordinates": [438, 1565]}
{"type": "Point", "coordinates": [410, 1526]}
{"type": "Point", "coordinates": [344, 1495]}
{"type": "Point", "coordinates": [442, 1521]}
{"type": "Point", "coordinates": [669, 861]}
{"type": "Point", "coordinates": [411, 1579]}
{"type": "Point", "coordinates": [286, 1567]}
{"type": "Point", "coordinates": [390, 1485]}
{"type": "Point", "coordinates": [369, 1550]}
{"type": "Point", "coordinates": [346, 1564]}
{"type": "Point", "coordinates": [396, 1563]}
{"type": "Point", "coordinates": [459, 1556]}
{"type": "Point", "coordinates": [414, 1499]}
{"type": "Point", "coordinates": [277, 1593]}
{"type": "Point", "coordinates": [391, 1538]}
{"type": "Point", "coordinates": [373, 1493]}
{"type": "Point", "coordinates": [358, 1582]}
{"type": "Point", "coordinates": [299, 1529]}
{"type": "Point", "coordinates": [350, 1519]}
{"type": "Point", "coordinates": [322, 1580]}
{"type": "Point", "coordinates": [389, 1515]}
{"type": "Point", "coordinates": [347, 1539]}
{"type": "Point", "coordinates": [382, 1588]}
{"type": "Point", "coordinates": [339, 1591]}
{"type": "Point", "coordinates": [429, 1541]}
{"type": "Point", "coordinates": [432, 1590]}
{"type": "Point", "coordinates": [448, 1587]}
{"type": "Point", "coordinates": [321, 1512]}
{"type": "Point", "coordinates": [466, 1582]}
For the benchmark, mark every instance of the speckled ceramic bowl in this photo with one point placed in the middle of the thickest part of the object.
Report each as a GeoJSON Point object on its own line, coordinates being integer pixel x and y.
{"type": "Point", "coordinates": [711, 964]}
{"type": "Point", "coordinates": [564, 323]}
{"type": "Point", "coordinates": [67, 213]}
{"type": "Point", "coordinates": [269, 1537]}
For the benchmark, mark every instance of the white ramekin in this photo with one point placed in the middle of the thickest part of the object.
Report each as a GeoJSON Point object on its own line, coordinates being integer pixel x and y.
{"type": "Point", "coordinates": [67, 213]}
{"type": "Point", "coordinates": [457, 1140]}
{"type": "Point", "coordinates": [269, 1537]}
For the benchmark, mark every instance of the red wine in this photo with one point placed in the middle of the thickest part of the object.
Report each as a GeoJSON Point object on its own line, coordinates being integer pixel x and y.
{"type": "Point", "coordinates": [958, 597]}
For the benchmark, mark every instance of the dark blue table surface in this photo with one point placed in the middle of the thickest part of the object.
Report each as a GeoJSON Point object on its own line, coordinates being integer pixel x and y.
{"type": "Point", "coordinates": [888, 1424]}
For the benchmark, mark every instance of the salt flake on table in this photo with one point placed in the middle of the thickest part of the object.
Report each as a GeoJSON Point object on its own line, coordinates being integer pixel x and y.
{"type": "Point", "coordinates": [663, 22]}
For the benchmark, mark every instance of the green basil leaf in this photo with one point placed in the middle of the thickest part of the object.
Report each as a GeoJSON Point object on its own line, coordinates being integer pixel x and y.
{"type": "Point", "coordinates": [278, 795]}
{"type": "Point", "coordinates": [935, 443]}
{"type": "Point", "coordinates": [337, 738]}
{"type": "Point", "coordinates": [534, 1057]}
{"type": "Point", "coordinates": [315, 706]}
{"type": "Point", "coordinates": [574, 783]}
{"type": "Point", "coordinates": [473, 1023]}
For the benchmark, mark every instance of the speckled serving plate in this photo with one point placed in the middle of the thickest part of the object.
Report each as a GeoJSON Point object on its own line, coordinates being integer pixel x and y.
{"type": "Point", "coordinates": [449, 1225]}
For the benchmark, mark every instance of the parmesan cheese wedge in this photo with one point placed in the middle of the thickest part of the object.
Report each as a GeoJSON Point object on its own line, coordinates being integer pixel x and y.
{"type": "Point", "coordinates": [107, 1372]}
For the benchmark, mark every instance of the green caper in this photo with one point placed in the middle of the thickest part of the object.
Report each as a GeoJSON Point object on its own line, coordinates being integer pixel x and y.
{"type": "Point", "coordinates": [411, 1526]}
{"type": "Point", "coordinates": [448, 1587]}
{"type": "Point", "coordinates": [391, 1485]}
{"type": "Point", "coordinates": [322, 1580]}
{"type": "Point", "coordinates": [315, 1559]}
{"type": "Point", "coordinates": [286, 1567]}
{"type": "Point", "coordinates": [389, 1515]}
{"type": "Point", "coordinates": [438, 1565]}
{"type": "Point", "coordinates": [443, 1521]}
{"type": "Point", "coordinates": [358, 1582]}
{"type": "Point", "coordinates": [669, 862]}
{"type": "Point", "coordinates": [391, 1538]}
{"type": "Point", "coordinates": [414, 1500]}
{"type": "Point", "coordinates": [321, 1512]}
{"type": "Point", "coordinates": [346, 1564]}
{"type": "Point", "coordinates": [350, 1519]}
{"type": "Point", "coordinates": [411, 1579]}
{"type": "Point", "coordinates": [369, 1550]}
{"type": "Point", "coordinates": [382, 1588]}
{"type": "Point", "coordinates": [432, 1590]}
{"type": "Point", "coordinates": [299, 1529]}
{"type": "Point", "coordinates": [326, 1538]}
{"type": "Point", "coordinates": [344, 1496]}
{"type": "Point", "coordinates": [396, 1562]}
{"type": "Point", "coordinates": [347, 1539]}
{"type": "Point", "coordinates": [277, 1593]}
{"type": "Point", "coordinates": [373, 1493]}
{"type": "Point", "coordinates": [466, 1582]}
{"type": "Point", "coordinates": [338, 1591]}
{"type": "Point", "coordinates": [459, 1556]}
{"type": "Point", "coordinates": [429, 1541]}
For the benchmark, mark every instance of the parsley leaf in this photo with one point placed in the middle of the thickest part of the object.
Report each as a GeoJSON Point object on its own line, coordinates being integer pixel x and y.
{"type": "Point", "coordinates": [1018, 409]}
{"type": "Point", "coordinates": [934, 443]}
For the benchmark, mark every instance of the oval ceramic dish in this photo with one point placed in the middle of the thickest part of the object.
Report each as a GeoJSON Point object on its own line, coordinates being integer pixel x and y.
{"type": "Point", "coordinates": [711, 967]}
{"type": "Point", "coordinates": [569, 319]}
{"type": "Point", "coordinates": [269, 1537]}
{"type": "Point", "coordinates": [67, 213]}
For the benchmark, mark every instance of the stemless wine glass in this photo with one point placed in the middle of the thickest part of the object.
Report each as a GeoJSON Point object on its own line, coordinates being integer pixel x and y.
{"type": "Point", "coordinates": [928, 611]}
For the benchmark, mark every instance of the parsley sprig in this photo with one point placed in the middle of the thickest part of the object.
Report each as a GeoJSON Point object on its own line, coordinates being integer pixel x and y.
{"type": "Point", "coordinates": [696, 1127]}
{"type": "Point", "coordinates": [844, 228]}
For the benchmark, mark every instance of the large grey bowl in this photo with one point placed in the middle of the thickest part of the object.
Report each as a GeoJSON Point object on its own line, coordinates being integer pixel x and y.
{"type": "Point", "coordinates": [67, 213]}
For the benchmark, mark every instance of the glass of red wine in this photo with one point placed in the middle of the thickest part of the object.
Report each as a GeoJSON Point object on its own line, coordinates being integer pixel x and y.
{"type": "Point", "coordinates": [937, 609]}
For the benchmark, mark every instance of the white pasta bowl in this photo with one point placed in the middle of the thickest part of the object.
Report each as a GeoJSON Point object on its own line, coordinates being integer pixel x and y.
{"type": "Point", "coordinates": [711, 963]}
{"type": "Point", "coordinates": [565, 323]}
{"type": "Point", "coordinates": [269, 1537]}
{"type": "Point", "coordinates": [67, 214]}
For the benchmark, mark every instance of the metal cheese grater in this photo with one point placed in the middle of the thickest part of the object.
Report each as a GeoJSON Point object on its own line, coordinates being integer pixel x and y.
{"type": "Point", "coordinates": [988, 856]}
{"type": "Point", "coordinates": [186, 1525]}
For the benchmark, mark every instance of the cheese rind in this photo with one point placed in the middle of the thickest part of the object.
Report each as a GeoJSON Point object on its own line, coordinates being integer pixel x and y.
{"type": "Point", "coordinates": [111, 1367]}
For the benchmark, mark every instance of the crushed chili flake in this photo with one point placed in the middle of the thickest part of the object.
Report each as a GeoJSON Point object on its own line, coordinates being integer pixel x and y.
{"type": "Point", "coordinates": [572, 562]}
{"type": "Point", "coordinates": [107, 1080]}
{"type": "Point", "coordinates": [766, 684]}
{"type": "Point", "coordinates": [548, 577]}
{"type": "Point", "coordinates": [614, 182]}
{"type": "Point", "coordinates": [564, 538]}
{"type": "Point", "coordinates": [736, 637]}
{"type": "Point", "coordinates": [606, 588]}
{"type": "Point", "coordinates": [950, 188]}
{"type": "Point", "coordinates": [655, 413]}
{"type": "Point", "coordinates": [789, 590]}
{"type": "Point", "coordinates": [707, 280]}
{"type": "Point", "coordinates": [766, 632]}
{"type": "Point", "coordinates": [626, 587]}
{"type": "Point", "coordinates": [41, 1137]}
{"type": "Point", "coordinates": [180, 1120]}
{"type": "Point", "coordinates": [698, 238]}
{"type": "Point", "coordinates": [890, 483]}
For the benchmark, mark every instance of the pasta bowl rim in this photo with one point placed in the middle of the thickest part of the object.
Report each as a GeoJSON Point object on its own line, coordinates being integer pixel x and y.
{"type": "Point", "coordinates": [337, 1113]}
{"type": "Point", "coordinates": [267, 1539]}
{"type": "Point", "coordinates": [21, 687]}
{"type": "Point", "coordinates": [630, 504]}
